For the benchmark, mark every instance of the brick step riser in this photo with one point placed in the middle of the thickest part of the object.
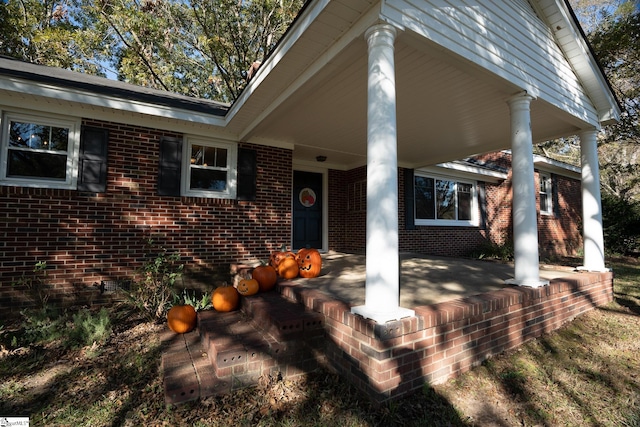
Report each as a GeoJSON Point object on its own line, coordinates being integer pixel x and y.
{"type": "Point", "coordinates": [270, 335]}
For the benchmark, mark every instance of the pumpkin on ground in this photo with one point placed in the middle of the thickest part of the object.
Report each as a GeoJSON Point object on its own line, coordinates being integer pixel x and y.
{"type": "Point", "coordinates": [309, 262]}
{"type": "Point", "coordinates": [266, 276]}
{"type": "Point", "coordinates": [288, 268]}
{"type": "Point", "coordinates": [182, 318]}
{"type": "Point", "coordinates": [248, 287]}
{"type": "Point", "coordinates": [225, 298]}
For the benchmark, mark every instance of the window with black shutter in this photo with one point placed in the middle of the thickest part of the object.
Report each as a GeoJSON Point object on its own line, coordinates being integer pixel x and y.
{"type": "Point", "coordinates": [169, 173]}
{"type": "Point", "coordinates": [92, 164]}
{"type": "Point", "coordinates": [247, 174]}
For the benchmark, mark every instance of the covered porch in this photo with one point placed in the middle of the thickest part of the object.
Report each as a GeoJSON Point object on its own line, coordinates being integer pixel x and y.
{"type": "Point", "coordinates": [424, 279]}
{"type": "Point", "coordinates": [390, 84]}
{"type": "Point", "coordinates": [464, 314]}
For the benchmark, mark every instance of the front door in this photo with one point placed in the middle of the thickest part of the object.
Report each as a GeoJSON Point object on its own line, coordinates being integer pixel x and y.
{"type": "Point", "coordinates": [307, 210]}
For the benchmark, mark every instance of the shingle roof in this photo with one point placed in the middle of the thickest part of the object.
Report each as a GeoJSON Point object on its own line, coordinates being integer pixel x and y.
{"type": "Point", "coordinates": [99, 85]}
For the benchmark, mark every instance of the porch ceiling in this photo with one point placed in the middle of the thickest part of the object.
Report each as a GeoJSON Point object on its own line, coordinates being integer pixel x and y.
{"type": "Point", "coordinates": [447, 108]}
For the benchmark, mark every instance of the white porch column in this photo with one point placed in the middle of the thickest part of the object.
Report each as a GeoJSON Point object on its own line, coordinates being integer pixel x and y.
{"type": "Point", "coordinates": [592, 235]}
{"type": "Point", "coordinates": [525, 222]}
{"type": "Point", "coordinates": [382, 292]}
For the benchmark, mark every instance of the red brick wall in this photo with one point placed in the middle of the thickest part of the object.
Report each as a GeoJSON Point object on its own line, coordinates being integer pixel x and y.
{"type": "Point", "coordinates": [558, 235]}
{"type": "Point", "coordinates": [87, 237]}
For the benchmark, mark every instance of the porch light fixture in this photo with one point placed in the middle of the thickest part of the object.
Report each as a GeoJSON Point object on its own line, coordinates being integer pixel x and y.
{"type": "Point", "coordinates": [321, 158]}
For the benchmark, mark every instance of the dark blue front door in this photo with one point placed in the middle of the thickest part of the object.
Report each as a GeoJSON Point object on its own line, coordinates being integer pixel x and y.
{"type": "Point", "coordinates": [307, 210]}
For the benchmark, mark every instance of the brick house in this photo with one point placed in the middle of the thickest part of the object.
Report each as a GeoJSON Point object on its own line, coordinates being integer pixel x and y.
{"type": "Point", "coordinates": [375, 112]}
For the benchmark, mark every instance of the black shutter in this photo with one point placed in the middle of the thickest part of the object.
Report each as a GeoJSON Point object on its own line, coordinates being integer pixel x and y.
{"type": "Point", "coordinates": [409, 201]}
{"type": "Point", "coordinates": [169, 176]}
{"type": "Point", "coordinates": [554, 195]}
{"type": "Point", "coordinates": [92, 165]}
{"type": "Point", "coordinates": [247, 174]}
{"type": "Point", "coordinates": [482, 201]}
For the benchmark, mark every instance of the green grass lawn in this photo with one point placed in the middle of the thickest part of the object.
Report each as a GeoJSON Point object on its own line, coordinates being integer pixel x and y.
{"type": "Point", "coordinates": [103, 369]}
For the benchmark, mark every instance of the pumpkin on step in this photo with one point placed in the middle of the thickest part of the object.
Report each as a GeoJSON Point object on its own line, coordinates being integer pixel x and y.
{"type": "Point", "coordinates": [225, 298]}
{"type": "Point", "coordinates": [248, 287]}
{"type": "Point", "coordinates": [309, 262]}
{"type": "Point", "coordinates": [266, 276]}
{"type": "Point", "coordinates": [288, 268]}
{"type": "Point", "coordinates": [277, 256]}
{"type": "Point", "coordinates": [182, 318]}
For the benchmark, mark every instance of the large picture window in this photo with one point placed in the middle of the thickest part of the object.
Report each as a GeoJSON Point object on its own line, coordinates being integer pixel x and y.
{"type": "Point", "coordinates": [210, 171]}
{"type": "Point", "coordinates": [442, 201]}
{"type": "Point", "coordinates": [39, 151]}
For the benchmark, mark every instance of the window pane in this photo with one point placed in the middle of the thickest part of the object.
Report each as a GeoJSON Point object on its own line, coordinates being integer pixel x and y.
{"type": "Point", "coordinates": [197, 154]}
{"type": "Point", "coordinates": [446, 195]}
{"type": "Point", "coordinates": [30, 164]}
{"type": "Point", "coordinates": [59, 139]}
{"type": "Point", "coordinates": [207, 179]}
{"type": "Point", "coordinates": [425, 204]}
{"type": "Point", "coordinates": [544, 203]}
{"type": "Point", "coordinates": [464, 202]}
{"type": "Point", "coordinates": [216, 157]}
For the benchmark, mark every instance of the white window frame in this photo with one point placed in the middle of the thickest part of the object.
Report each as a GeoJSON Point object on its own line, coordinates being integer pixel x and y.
{"type": "Point", "coordinates": [232, 165]}
{"type": "Point", "coordinates": [548, 195]}
{"type": "Point", "coordinates": [73, 150]}
{"type": "Point", "coordinates": [475, 217]}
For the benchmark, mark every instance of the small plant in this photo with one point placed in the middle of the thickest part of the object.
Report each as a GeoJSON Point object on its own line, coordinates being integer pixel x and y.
{"type": "Point", "coordinates": [154, 293]}
{"type": "Point", "coordinates": [199, 302]}
{"type": "Point", "coordinates": [491, 250]}
{"type": "Point", "coordinates": [36, 286]}
{"type": "Point", "coordinates": [88, 329]}
{"type": "Point", "coordinates": [40, 325]}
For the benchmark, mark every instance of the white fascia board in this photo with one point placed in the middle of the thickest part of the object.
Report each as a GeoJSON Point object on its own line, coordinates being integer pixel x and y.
{"type": "Point", "coordinates": [321, 62]}
{"type": "Point", "coordinates": [609, 113]}
{"type": "Point", "coordinates": [560, 168]}
{"type": "Point", "coordinates": [300, 27]}
{"type": "Point", "coordinates": [465, 171]}
{"type": "Point", "coordinates": [115, 103]}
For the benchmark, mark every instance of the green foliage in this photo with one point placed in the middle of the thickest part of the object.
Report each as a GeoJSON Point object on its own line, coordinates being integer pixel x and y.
{"type": "Point", "coordinates": [46, 32]}
{"type": "Point", "coordinates": [36, 286]}
{"type": "Point", "coordinates": [41, 325]}
{"type": "Point", "coordinates": [199, 301]}
{"type": "Point", "coordinates": [153, 295]}
{"type": "Point", "coordinates": [621, 222]}
{"type": "Point", "coordinates": [70, 329]}
{"type": "Point", "coordinates": [491, 250]}
{"type": "Point", "coordinates": [89, 329]}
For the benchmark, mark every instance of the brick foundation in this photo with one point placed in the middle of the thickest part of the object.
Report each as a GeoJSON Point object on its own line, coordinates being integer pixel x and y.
{"type": "Point", "coordinates": [445, 340]}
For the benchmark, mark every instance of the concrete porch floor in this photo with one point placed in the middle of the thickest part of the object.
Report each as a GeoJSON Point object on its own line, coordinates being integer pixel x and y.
{"type": "Point", "coordinates": [424, 280]}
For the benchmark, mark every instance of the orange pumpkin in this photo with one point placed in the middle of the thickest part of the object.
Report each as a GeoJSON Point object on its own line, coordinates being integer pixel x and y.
{"type": "Point", "coordinates": [248, 287]}
{"type": "Point", "coordinates": [266, 276]}
{"type": "Point", "coordinates": [182, 318]}
{"type": "Point", "coordinates": [278, 256]}
{"type": "Point", "coordinates": [225, 298]}
{"type": "Point", "coordinates": [309, 262]}
{"type": "Point", "coordinates": [288, 268]}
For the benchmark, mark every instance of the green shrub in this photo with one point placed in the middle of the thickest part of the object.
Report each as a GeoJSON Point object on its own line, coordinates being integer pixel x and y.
{"type": "Point", "coordinates": [87, 328]}
{"type": "Point", "coordinates": [36, 286]}
{"type": "Point", "coordinates": [154, 293]}
{"type": "Point", "coordinates": [41, 325]}
{"type": "Point", "coordinates": [621, 222]}
{"type": "Point", "coordinates": [491, 250]}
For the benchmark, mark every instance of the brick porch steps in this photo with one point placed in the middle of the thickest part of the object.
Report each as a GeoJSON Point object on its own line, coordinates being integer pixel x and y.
{"type": "Point", "coordinates": [269, 336]}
